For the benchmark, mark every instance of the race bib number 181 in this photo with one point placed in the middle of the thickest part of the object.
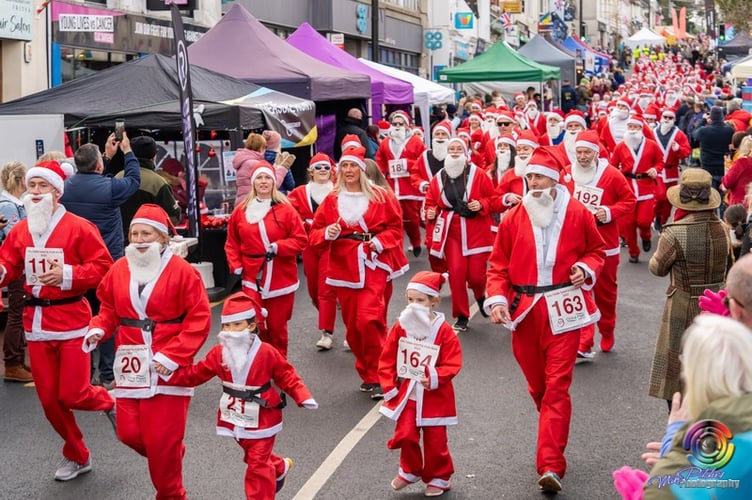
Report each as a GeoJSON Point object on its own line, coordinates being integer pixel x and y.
{"type": "Point", "coordinates": [398, 169]}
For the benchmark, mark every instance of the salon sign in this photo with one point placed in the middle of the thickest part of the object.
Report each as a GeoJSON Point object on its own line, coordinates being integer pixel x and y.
{"type": "Point", "coordinates": [16, 17]}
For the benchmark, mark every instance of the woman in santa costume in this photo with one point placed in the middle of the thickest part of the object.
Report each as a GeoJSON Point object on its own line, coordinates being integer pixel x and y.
{"type": "Point", "coordinates": [503, 159]}
{"type": "Point", "coordinates": [512, 186]}
{"type": "Point", "coordinates": [421, 356]}
{"type": "Point", "coordinates": [306, 200]}
{"type": "Point", "coordinates": [264, 237]}
{"type": "Point", "coordinates": [250, 409]}
{"type": "Point", "coordinates": [361, 225]}
{"type": "Point", "coordinates": [157, 304]}
{"type": "Point", "coordinates": [458, 211]}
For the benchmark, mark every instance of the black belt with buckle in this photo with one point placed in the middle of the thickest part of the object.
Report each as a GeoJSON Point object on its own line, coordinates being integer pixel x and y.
{"type": "Point", "coordinates": [636, 176]}
{"type": "Point", "coordinates": [253, 396]}
{"type": "Point", "coordinates": [36, 301]}
{"type": "Point", "coordinates": [148, 324]}
{"type": "Point", "coordinates": [364, 237]}
{"type": "Point", "coordinates": [533, 290]}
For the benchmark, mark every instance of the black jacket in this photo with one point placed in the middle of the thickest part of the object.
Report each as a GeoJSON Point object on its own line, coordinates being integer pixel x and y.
{"type": "Point", "coordinates": [351, 126]}
{"type": "Point", "coordinates": [714, 141]}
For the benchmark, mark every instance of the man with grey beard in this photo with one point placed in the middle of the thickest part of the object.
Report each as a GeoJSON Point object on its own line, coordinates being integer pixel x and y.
{"type": "Point", "coordinates": [62, 256]}
{"type": "Point", "coordinates": [535, 287]}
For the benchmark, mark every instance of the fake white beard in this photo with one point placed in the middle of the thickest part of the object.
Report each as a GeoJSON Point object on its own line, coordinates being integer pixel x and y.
{"type": "Point", "coordinates": [553, 131]}
{"type": "Point", "coordinates": [439, 148]}
{"type": "Point", "coordinates": [489, 125]}
{"type": "Point", "coordinates": [319, 191]}
{"type": "Point", "coordinates": [520, 164]}
{"type": "Point", "coordinates": [583, 175]}
{"type": "Point", "coordinates": [144, 267]}
{"type": "Point", "coordinates": [39, 214]}
{"type": "Point", "coordinates": [569, 142]}
{"type": "Point", "coordinates": [235, 347]}
{"type": "Point", "coordinates": [541, 209]}
{"type": "Point", "coordinates": [666, 127]}
{"type": "Point", "coordinates": [503, 158]}
{"type": "Point", "coordinates": [620, 114]}
{"type": "Point", "coordinates": [351, 206]}
{"type": "Point", "coordinates": [398, 135]}
{"type": "Point", "coordinates": [257, 210]}
{"type": "Point", "coordinates": [633, 138]}
{"type": "Point", "coordinates": [532, 113]}
{"type": "Point", "coordinates": [454, 166]}
{"type": "Point", "coordinates": [493, 132]}
{"type": "Point", "coordinates": [415, 319]}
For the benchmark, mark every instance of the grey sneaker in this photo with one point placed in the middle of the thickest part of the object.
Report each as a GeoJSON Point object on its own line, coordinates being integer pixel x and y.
{"type": "Point", "coordinates": [325, 342]}
{"type": "Point", "coordinates": [584, 357]}
{"type": "Point", "coordinates": [68, 469]}
{"type": "Point", "coordinates": [549, 482]}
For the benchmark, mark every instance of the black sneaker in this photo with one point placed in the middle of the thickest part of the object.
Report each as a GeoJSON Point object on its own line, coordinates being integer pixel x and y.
{"type": "Point", "coordinates": [461, 324]}
{"type": "Point", "coordinates": [646, 245]}
{"type": "Point", "coordinates": [657, 225]}
{"type": "Point", "coordinates": [377, 393]}
{"type": "Point", "coordinates": [112, 417]}
{"type": "Point", "coordinates": [634, 260]}
{"type": "Point", "coordinates": [369, 387]}
{"type": "Point", "coordinates": [482, 311]}
{"type": "Point", "coordinates": [417, 251]}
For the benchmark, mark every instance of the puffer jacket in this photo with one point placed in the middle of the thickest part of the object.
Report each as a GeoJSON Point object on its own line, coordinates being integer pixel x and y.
{"type": "Point", "coordinates": [243, 163]}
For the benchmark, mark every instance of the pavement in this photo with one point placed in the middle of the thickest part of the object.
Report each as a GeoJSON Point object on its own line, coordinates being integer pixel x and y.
{"type": "Point", "coordinates": [340, 449]}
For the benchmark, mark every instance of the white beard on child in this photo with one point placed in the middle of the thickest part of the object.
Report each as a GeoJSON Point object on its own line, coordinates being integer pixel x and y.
{"type": "Point", "coordinates": [415, 319]}
{"type": "Point", "coordinates": [235, 347]}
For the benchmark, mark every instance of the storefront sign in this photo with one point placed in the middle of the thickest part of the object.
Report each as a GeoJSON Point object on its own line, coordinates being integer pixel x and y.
{"type": "Point", "coordinates": [461, 50]}
{"type": "Point", "coordinates": [463, 20]}
{"type": "Point", "coordinates": [16, 17]}
{"type": "Point", "coordinates": [513, 7]}
{"type": "Point", "coordinates": [337, 39]}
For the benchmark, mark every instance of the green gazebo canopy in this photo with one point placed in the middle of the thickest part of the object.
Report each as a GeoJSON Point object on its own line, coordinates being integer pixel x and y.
{"type": "Point", "coordinates": [500, 63]}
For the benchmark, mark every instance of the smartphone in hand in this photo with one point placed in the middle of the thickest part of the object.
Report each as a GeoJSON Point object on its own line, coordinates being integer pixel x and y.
{"type": "Point", "coordinates": [119, 129]}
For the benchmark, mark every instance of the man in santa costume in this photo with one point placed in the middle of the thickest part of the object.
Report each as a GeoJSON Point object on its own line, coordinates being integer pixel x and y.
{"type": "Point", "coordinates": [421, 399]}
{"type": "Point", "coordinates": [641, 161]}
{"type": "Point", "coordinates": [157, 304]}
{"type": "Point", "coordinates": [62, 256]}
{"type": "Point", "coordinates": [574, 123]}
{"type": "Point", "coordinates": [612, 131]}
{"type": "Point", "coordinates": [395, 157]}
{"type": "Point", "coordinates": [250, 409]}
{"type": "Point", "coordinates": [674, 145]}
{"type": "Point", "coordinates": [606, 193]}
{"type": "Point", "coordinates": [519, 102]}
{"type": "Point", "coordinates": [536, 121]}
{"type": "Point", "coordinates": [554, 129]}
{"type": "Point", "coordinates": [513, 186]}
{"type": "Point", "coordinates": [547, 253]}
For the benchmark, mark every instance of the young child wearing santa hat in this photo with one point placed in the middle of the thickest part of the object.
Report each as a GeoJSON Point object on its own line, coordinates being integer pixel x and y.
{"type": "Point", "coordinates": [421, 356]}
{"type": "Point", "coordinates": [250, 409]}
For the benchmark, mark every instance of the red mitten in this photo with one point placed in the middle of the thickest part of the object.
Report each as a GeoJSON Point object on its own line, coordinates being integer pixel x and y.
{"type": "Point", "coordinates": [712, 302]}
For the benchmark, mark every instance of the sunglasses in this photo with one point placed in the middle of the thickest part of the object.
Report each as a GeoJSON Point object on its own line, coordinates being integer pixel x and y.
{"type": "Point", "coordinates": [503, 124]}
{"type": "Point", "coordinates": [398, 124]}
{"type": "Point", "coordinates": [668, 117]}
{"type": "Point", "coordinates": [321, 167]}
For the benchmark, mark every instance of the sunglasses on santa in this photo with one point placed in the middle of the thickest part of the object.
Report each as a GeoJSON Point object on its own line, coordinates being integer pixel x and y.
{"type": "Point", "coordinates": [320, 167]}
{"type": "Point", "coordinates": [503, 124]}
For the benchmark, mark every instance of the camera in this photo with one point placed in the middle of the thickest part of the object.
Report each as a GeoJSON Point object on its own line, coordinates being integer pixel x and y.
{"type": "Point", "coordinates": [462, 210]}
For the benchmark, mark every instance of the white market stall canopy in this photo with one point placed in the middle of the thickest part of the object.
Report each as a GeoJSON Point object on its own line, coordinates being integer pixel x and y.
{"type": "Point", "coordinates": [743, 69]}
{"type": "Point", "coordinates": [645, 37]}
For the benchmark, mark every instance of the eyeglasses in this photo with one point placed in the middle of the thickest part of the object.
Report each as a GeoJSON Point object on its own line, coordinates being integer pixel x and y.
{"type": "Point", "coordinates": [503, 124]}
{"type": "Point", "coordinates": [398, 124]}
{"type": "Point", "coordinates": [668, 117]}
{"type": "Point", "coordinates": [727, 300]}
{"type": "Point", "coordinates": [321, 167]}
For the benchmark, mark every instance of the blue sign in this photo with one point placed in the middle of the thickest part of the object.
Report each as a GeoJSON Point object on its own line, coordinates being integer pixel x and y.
{"type": "Point", "coordinates": [361, 23]}
{"type": "Point", "coordinates": [461, 50]}
{"type": "Point", "coordinates": [463, 20]}
{"type": "Point", "coordinates": [436, 69]}
{"type": "Point", "coordinates": [432, 40]}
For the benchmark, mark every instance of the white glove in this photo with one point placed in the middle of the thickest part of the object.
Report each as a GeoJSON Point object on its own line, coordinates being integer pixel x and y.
{"type": "Point", "coordinates": [675, 146]}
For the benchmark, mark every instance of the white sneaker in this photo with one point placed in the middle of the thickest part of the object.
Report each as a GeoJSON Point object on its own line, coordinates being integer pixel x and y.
{"type": "Point", "coordinates": [68, 469]}
{"type": "Point", "coordinates": [325, 342]}
{"type": "Point", "coordinates": [346, 345]}
{"type": "Point", "coordinates": [584, 357]}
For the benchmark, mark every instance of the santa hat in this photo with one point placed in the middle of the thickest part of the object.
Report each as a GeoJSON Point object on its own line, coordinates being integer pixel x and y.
{"type": "Point", "coordinates": [530, 103]}
{"type": "Point", "coordinates": [506, 139]}
{"type": "Point", "coordinates": [588, 139]}
{"type": "Point", "coordinates": [350, 140]}
{"type": "Point", "coordinates": [384, 126]}
{"type": "Point", "coordinates": [635, 120]}
{"type": "Point", "coordinates": [240, 306]}
{"type": "Point", "coordinates": [403, 115]}
{"type": "Point", "coordinates": [445, 126]}
{"type": "Point", "coordinates": [53, 172]}
{"type": "Point", "coordinates": [464, 133]}
{"type": "Point", "coordinates": [490, 113]}
{"type": "Point", "coordinates": [517, 95]}
{"type": "Point", "coordinates": [154, 216]}
{"type": "Point", "coordinates": [575, 116]}
{"type": "Point", "coordinates": [476, 116]}
{"type": "Point", "coordinates": [418, 130]}
{"type": "Point", "coordinates": [543, 162]}
{"type": "Point", "coordinates": [651, 111]}
{"type": "Point", "coordinates": [427, 282]}
{"type": "Point", "coordinates": [527, 138]}
{"type": "Point", "coordinates": [668, 111]}
{"type": "Point", "coordinates": [262, 167]}
{"type": "Point", "coordinates": [625, 101]}
{"type": "Point", "coordinates": [557, 113]}
{"type": "Point", "coordinates": [459, 140]}
{"type": "Point", "coordinates": [355, 154]}
{"type": "Point", "coordinates": [320, 159]}
{"type": "Point", "coordinates": [505, 115]}
{"type": "Point", "coordinates": [476, 106]}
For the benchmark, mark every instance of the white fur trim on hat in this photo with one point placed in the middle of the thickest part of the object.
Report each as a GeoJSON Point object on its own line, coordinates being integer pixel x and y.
{"type": "Point", "coordinates": [49, 175]}
{"type": "Point", "coordinates": [355, 159]}
{"type": "Point", "coordinates": [587, 144]}
{"type": "Point", "coordinates": [151, 222]}
{"type": "Point", "coordinates": [262, 170]}
{"type": "Point", "coordinates": [549, 172]}
{"type": "Point", "coordinates": [420, 287]}
{"type": "Point", "coordinates": [351, 144]}
{"type": "Point", "coordinates": [634, 121]}
{"type": "Point", "coordinates": [527, 142]}
{"type": "Point", "coordinates": [322, 162]}
{"type": "Point", "coordinates": [238, 316]}
{"type": "Point", "coordinates": [575, 119]}
{"type": "Point", "coordinates": [459, 140]}
{"type": "Point", "coordinates": [446, 127]}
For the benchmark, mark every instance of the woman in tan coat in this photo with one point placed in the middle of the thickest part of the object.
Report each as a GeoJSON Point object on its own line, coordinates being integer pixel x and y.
{"type": "Point", "coordinates": [694, 248]}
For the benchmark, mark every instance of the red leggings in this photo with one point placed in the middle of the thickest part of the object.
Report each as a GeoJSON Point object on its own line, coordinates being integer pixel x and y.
{"type": "Point", "coordinates": [264, 467]}
{"type": "Point", "coordinates": [464, 271]}
{"type": "Point", "coordinates": [640, 219]}
{"type": "Point", "coordinates": [411, 220]}
{"type": "Point", "coordinates": [274, 329]}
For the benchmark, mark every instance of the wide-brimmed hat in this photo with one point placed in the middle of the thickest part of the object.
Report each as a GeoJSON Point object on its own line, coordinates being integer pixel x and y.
{"type": "Point", "coordinates": [694, 192]}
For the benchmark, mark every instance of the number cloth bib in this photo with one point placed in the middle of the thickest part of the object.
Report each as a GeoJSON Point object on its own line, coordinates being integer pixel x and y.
{"type": "Point", "coordinates": [567, 309]}
{"type": "Point", "coordinates": [238, 411]}
{"type": "Point", "coordinates": [398, 168]}
{"type": "Point", "coordinates": [132, 367]}
{"type": "Point", "coordinates": [414, 356]}
{"type": "Point", "coordinates": [589, 196]}
{"type": "Point", "coordinates": [36, 263]}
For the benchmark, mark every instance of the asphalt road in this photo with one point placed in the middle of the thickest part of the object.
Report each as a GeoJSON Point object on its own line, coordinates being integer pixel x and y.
{"type": "Point", "coordinates": [340, 450]}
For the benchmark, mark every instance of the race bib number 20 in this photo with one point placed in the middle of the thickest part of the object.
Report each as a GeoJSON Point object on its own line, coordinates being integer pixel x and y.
{"type": "Point", "coordinates": [132, 367]}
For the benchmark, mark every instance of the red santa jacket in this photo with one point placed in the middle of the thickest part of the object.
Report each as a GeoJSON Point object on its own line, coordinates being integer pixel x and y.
{"type": "Point", "coordinates": [247, 245]}
{"type": "Point", "coordinates": [398, 175]}
{"type": "Point", "coordinates": [672, 156]}
{"type": "Point", "coordinates": [634, 166]}
{"type": "Point", "coordinates": [436, 405]}
{"type": "Point", "coordinates": [537, 125]}
{"type": "Point", "coordinates": [476, 231]}
{"type": "Point", "coordinates": [265, 364]}
{"type": "Point", "coordinates": [301, 201]}
{"type": "Point", "coordinates": [420, 172]}
{"type": "Point", "coordinates": [575, 240]}
{"type": "Point", "coordinates": [349, 258]}
{"type": "Point", "coordinates": [85, 260]}
{"type": "Point", "coordinates": [616, 199]}
{"type": "Point", "coordinates": [177, 303]}
{"type": "Point", "coordinates": [510, 183]}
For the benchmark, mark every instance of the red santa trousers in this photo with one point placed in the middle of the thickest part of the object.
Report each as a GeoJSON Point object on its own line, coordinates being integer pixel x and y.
{"type": "Point", "coordinates": [464, 272]}
{"type": "Point", "coordinates": [547, 361]}
{"type": "Point", "coordinates": [388, 292]}
{"type": "Point", "coordinates": [605, 293]}
{"type": "Point", "coordinates": [264, 467]}
{"type": "Point", "coordinates": [662, 205]}
{"type": "Point", "coordinates": [411, 220]}
{"type": "Point", "coordinates": [638, 220]}
{"type": "Point", "coordinates": [155, 427]}
{"type": "Point", "coordinates": [61, 379]}
{"type": "Point", "coordinates": [364, 318]}
{"type": "Point", "coordinates": [274, 329]}
{"type": "Point", "coordinates": [315, 263]}
{"type": "Point", "coordinates": [434, 463]}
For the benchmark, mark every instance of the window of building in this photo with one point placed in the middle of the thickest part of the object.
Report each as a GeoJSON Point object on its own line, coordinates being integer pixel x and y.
{"type": "Point", "coordinates": [406, 61]}
{"type": "Point", "coordinates": [75, 63]}
{"type": "Point", "coordinates": [405, 4]}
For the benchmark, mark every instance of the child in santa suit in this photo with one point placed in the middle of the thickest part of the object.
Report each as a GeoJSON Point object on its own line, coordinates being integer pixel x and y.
{"type": "Point", "coordinates": [421, 356]}
{"type": "Point", "coordinates": [250, 409]}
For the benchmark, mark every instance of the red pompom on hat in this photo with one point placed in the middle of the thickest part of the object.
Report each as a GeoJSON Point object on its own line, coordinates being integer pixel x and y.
{"type": "Point", "coordinates": [263, 167]}
{"type": "Point", "coordinates": [403, 115]}
{"type": "Point", "coordinates": [350, 140]}
{"type": "Point", "coordinates": [527, 138]}
{"type": "Point", "coordinates": [543, 162]}
{"type": "Point", "coordinates": [575, 116]}
{"type": "Point", "coordinates": [321, 159]}
{"type": "Point", "coordinates": [154, 216]}
{"type": "Point", "coordinates": [356, 155]}
{"type": "Point", "coordinates": [240, 306]}
{"type": "Point", "coordinates": [588, 139]}
{"type": "Point", "coordinates": [427, 282]}
{"type": "Point", "coordinates": [53, 172]}
{"type": "Point", "coordinates": [445, 126]}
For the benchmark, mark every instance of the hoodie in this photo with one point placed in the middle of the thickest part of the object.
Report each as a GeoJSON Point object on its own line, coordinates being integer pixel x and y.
{"type": "Point", "coordinates": [244, 162]}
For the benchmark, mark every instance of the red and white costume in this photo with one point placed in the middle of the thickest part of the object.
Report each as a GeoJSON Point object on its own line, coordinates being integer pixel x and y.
{"type": "Point", "coordinates": [176, 302]}
{"type": "Point", "coordinates": [54, 331]}
{"type": "Point", "coordinates": [272, 281]}
{"type": "Point", "coordinates": [539, 259]}
{"type": "Point", "coordinates": [674, 150]}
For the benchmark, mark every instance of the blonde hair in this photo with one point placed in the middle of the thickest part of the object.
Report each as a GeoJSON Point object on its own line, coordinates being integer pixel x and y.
{"type": "Point", "coordinates": [12, 176]}
{"type": "Point", "coordinates": [52, 156]}
{"type": "Point", "coordinates": [255, 142]}
{"type": "Point", "coordinates": [716, 361]}
{"type": "Point", "coordinates": [745, 147]}
{"type": "Point", "coordinates": [277, 196]}
{"type": "Point", "coordinates": [370, 190]}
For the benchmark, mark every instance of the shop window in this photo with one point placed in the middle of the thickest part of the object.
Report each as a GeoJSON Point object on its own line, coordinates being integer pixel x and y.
{"type": "Point", "coordinates": [76, 63]}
